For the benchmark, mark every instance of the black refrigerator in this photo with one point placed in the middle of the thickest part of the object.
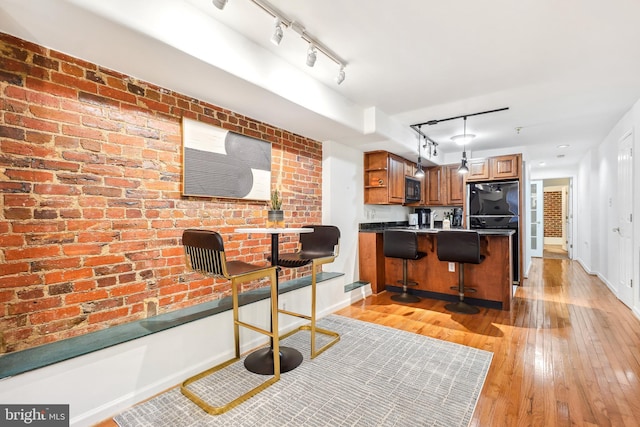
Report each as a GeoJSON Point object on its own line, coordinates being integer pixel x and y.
{"type": "Point", "coordinates": [495, 205]}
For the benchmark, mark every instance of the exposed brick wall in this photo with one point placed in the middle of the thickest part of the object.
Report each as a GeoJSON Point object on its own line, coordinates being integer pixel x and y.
{"type": "Point", "coordinates": [91, 212]}
{"type": "Point", "coordinates": [553, 214]}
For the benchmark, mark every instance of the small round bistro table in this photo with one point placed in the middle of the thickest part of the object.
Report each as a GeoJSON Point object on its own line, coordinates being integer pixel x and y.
{"type": "Point", "coordinates": [261, 360]}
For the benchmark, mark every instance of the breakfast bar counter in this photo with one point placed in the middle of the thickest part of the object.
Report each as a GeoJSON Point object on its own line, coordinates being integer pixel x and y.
{"type": "Point", "coordinates": [492, 279]}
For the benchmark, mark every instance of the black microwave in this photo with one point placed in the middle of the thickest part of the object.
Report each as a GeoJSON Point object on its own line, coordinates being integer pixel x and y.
{"type": "Point", "coordinates": [412, 189]}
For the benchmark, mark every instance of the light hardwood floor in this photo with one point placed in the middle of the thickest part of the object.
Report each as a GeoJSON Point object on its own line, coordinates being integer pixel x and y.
{"type": "Point", "coordinates": [567, 354]}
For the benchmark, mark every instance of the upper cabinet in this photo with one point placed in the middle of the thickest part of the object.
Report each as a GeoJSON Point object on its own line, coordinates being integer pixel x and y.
{"type": "Point", "coordinates": [435, 191]}
{"type": "Point", "coordinates": [455, 185]}
{"type": "Point", "coordinates": [445, 186]}
{"type": "Point", "coordinates": [506, 166]}
{"type": "Point", "coordinates": [494, 168]}
{"type": "Point", "coordinates": [478, 169]}
{"type": "Point", "coordinates": [383, 178]}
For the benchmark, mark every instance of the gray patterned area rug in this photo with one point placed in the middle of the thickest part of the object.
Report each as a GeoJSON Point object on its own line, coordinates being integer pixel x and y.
{"type": "Point", "coordinates": [374, 376]}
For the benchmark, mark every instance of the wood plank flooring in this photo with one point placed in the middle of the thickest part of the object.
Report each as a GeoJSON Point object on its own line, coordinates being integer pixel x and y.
{"type": "Point", "coordinates": [567, 354]}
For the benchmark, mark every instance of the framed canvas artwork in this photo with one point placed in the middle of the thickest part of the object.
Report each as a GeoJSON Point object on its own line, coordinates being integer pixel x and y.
{"type": "Point", "coordinates": [221, 163]}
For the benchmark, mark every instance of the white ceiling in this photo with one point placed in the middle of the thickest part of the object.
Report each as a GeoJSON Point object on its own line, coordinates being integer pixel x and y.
{"type": "Point", "coordinates": [568, 70]}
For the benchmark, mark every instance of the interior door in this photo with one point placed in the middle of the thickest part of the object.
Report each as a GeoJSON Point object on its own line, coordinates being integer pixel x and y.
{"type": "Point", "coordinates": [569, 220]}
{"type": "Point", "coordinates": [536, 214]}
{"type": "Point", "coordinates": [624, 229]}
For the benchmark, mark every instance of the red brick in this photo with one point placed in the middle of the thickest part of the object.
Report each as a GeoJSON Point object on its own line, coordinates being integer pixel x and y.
{"type": "Point", "coordinates": [80, 297]}
{"type": "Point", "coordinates": [108, 315]}
{"type": "Point", "coordinates": [29, 253]}
{"type": "Point", "coordinates": [35, 305]}
{"type": "Point", "coordinates": [67, 275]}
{"type": "Point", "coordinates": [50, 88]}
{"type": "Point", "coordinates": [53, 315]}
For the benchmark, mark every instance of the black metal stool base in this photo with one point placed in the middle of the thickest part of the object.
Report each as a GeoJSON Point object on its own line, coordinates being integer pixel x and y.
{"type": "Point", "coordinates": [405, 297]}
{"type": "Point", "coordinates": [462, 307]}
{"type": "Point", "coordinates": [261, 361]}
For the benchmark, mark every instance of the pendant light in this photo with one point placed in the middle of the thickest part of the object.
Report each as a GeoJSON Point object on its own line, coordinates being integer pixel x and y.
{"type": "Point", "coordinates": [420, 172]}
{"type": "Point", "coordinates": [463, 168]}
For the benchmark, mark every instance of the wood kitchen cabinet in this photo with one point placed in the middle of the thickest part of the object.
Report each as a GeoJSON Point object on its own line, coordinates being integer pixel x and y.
{"type": "Point", "coordinates": [445, 186]}
{"type": "Point", "coordinates": [503, 167]}
{"type": "Point", "coordinates": [383, 178]}
{"type": "Point", "coordinates": [454, 185]}
{"type": "Point", "coordinates": [478, 169]}
{"type": "Point", "coordinates": [371, 260]}
{"type": "Point", "coordinates": [495, 168]}
{"type": "Point", "coordinates": [436, 188]}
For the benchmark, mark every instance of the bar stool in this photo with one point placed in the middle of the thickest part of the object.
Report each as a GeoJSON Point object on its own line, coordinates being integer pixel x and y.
{"type": "Point", "coordinates": [463, 247]}
{"type": "Point", "coordinates": [204, 253]}
{"type": "Point", "coordinates": [317, 248]}
{"type": "Point", "coordinates": [402, 244]}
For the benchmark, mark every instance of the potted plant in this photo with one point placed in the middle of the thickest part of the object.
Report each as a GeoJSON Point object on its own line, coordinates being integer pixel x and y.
{"type": "Point", "coordinates": [275, 216]}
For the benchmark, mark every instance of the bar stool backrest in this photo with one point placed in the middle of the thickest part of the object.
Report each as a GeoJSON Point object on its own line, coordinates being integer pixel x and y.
{"type": "Point", "coordinates": [204, 251]}
{"type": "Point", "coordinates": [323, 242]}
{"type": "Point", "coordinates": [400, 244]}
{"type": "Point", "coordinates": [459, 246]}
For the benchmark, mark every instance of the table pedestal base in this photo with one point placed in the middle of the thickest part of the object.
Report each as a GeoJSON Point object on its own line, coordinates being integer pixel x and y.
{"type": "Point", "coordinates": [261, 361]}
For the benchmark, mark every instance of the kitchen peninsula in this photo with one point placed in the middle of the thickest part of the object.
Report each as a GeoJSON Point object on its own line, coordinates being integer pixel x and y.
{"type": "Point", "coordinates": [492, 279]}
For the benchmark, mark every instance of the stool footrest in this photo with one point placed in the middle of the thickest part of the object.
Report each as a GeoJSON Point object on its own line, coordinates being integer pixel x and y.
{"type": "Point", "coordinates": [310, 327]}
{"type": "Point", "coordinates": [409, 283]}
{"type": "Point", "coordinates": [216, 410]}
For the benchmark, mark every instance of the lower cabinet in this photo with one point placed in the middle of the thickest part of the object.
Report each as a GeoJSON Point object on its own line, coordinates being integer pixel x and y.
{"type": "Point", "coordinates": [492, 279]}
{"type": "Point", "coordinates": [371, 260]}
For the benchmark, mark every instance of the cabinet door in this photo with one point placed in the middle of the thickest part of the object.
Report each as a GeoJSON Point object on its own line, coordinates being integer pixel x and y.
{"type": "Point", "coordinates": [505, 167]}
{"type": "Point", "coordinates": [478, 170]}
{"type": "Point", "coordinates": [396, 179]}
{"type": "Point", "coordinates": [409, 168]}
{"type": "Point", "coordinates": [455, 185]}
{"type": "Point", "coordinates": [435, 186]}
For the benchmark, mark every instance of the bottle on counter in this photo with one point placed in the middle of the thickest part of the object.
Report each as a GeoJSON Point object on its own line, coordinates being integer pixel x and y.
{"type": "Point", "coordinates": [446, 222]}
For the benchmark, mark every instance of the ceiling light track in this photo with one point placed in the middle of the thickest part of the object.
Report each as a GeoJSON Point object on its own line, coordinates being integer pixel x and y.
{"type": "Point", "coordinates": [435, 122]}
{"type": "Point", "coordinates": [314, 43]}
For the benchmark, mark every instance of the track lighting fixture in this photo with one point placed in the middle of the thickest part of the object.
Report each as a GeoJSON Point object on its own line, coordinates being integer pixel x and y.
{"type": "Point", "coordinates": [463, 139]}
{"type": "Point", "coordinates": [220, 4]}
{"type": "Point", "coordinates": [341, 75]}
{"type": "Point", "coordinates": [419, 172]}
{"type": "Point", "coordinates": [276, 38]}
{"type": "Point", "coordinates": [463, 162]}
{"type": "Point", "coordinates": [282, 20]}
{"type": "Point", "coordinates": [311, 56]}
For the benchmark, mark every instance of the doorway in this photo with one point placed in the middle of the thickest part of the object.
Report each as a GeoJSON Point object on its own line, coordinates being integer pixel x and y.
{"type": "Point", "coordinates": [557, 218]}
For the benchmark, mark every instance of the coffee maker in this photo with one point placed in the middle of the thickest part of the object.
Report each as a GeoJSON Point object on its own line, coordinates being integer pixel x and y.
{"type": "Point", "coordinates": [423, 217]}
{"type": "Point", "coordinates": [456, 218]}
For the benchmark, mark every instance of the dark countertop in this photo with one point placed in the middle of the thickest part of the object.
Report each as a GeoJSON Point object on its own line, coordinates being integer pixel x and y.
{"type": "Point", "coordinates": [379, 227]}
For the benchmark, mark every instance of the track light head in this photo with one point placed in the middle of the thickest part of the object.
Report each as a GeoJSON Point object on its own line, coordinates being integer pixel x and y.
{"type": "Point", "coordinates": [311, 56]}
{"type": "Point", "coordinates": [341, 75]}
{"type": "Point", "coordinates": [463, 164]}
{"type": "Point", "coordinates": [276, 38]}
{"type": "Point", "coordinates": [220, 4]}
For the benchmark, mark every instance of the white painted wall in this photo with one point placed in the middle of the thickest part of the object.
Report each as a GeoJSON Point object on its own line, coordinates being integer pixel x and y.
{"type": "Point", "coordinates": [343, 201]}
{"type": "Point", "coordinates": [598, 202]}
{"type": "Point", "coordinates": [101, 384]}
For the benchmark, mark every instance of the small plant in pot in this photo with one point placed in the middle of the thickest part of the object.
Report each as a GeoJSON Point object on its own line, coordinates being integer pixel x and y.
{"type": "Point", "coordinates": [275, 216]}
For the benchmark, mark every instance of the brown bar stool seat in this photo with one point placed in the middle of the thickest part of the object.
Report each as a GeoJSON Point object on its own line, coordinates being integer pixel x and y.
{"type": "Point", "coordinates": [402, 244]}
{"type": "Point", "coordinates": [463, 247]}
{"type": "Point", "coordinates": [204, 253]}
{"type": "Point", "coordinates": [317, 248]}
